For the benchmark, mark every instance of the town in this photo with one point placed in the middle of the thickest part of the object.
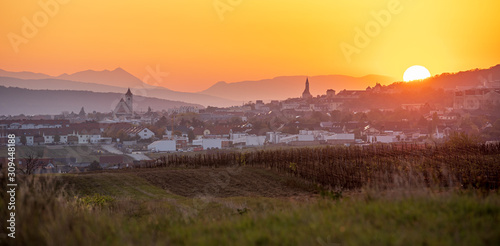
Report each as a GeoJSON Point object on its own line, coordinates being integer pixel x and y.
{"type": "Point", "coordinates": [123, 137]}
{"type": "Point", "coordinates": [231, 122]}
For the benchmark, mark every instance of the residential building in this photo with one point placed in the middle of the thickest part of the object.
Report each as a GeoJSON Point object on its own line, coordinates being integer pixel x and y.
{"type": "Point", "coordinates": [163, 146]}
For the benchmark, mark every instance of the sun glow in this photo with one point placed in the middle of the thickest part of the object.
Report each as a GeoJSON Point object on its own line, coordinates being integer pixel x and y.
{"type": "Point", "coordinates": [416, 73]}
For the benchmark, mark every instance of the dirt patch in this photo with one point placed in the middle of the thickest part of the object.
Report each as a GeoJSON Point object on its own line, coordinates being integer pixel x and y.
{"type": "Point", "coordinates": [225, 182]}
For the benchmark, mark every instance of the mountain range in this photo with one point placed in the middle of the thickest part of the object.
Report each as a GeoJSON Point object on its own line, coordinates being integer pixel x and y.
{"type": "Point", "coordinates": [117, 81]}
{"type": "Point", "coordinates": [221, 94]}
{"type": "Point", "coordinates": [15, 100]}
{"type": "Point", "coordinates": [284, 87]}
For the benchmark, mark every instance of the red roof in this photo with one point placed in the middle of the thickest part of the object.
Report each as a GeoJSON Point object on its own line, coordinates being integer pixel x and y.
{"type": "Point", "coordinates": [111, 159]}
{"type": "Point", "coordinates": [198, 131]}
{"type": "Point", "coordinates": [219, 130]}
{"type": "Point", "coordinates": [135, 129]}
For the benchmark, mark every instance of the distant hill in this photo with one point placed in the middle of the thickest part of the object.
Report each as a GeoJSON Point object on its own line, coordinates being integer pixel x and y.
{"type": "Point", "coordinates": [15, 100]}
{"type": "Point", "coordinates": [24, 75]}
{"type": "Point", "coordinates": [148, 91]}
{"type": "Point", "coordinates": [117, 77]}
{"type": "Point", "coordinates": [468, 78]}
{"type": "Point", "coordinates": [284, 87]}
{"type": "Point", "coordinates": [437, 91]}
{"type": "Point", "coordinates": [452, 81]}
{"type": "Point", "coordinates": [224, 94]}
{"type": "Point", "coordinates": [58, 84]}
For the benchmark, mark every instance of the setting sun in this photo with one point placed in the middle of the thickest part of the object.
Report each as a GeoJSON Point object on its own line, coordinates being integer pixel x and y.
{"type": "Point", "coordinates": [416, 73]}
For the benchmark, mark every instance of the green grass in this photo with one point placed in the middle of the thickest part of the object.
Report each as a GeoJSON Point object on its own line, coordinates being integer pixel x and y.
{"type": "Point", "coordinates": [138, 213]}
{"type": "Point", "coordinates": [455, 220]}
{"type": "Point", "coordinates": [120, 185]}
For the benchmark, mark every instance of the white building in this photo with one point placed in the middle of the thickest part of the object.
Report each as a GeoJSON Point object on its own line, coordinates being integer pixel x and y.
{"type": "Point", "coordinates": [215, 143]}
{"type": "Point", "coordinates": [209, 143]}
{"type": "Point", "coordinates": [340, 136]}
{"type": "Point", "coordinates": [306, 137]}
{"type": "Point", "coordinates": [381, 139]}
{"type": "Point", "coordinates": [254, 140]}
{"type": "Point", "coordinates": [162, 146]}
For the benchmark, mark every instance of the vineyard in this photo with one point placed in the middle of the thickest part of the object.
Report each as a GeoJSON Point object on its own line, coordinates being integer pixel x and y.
{"type": "Point", "coordinates": [290, 196]}
{"type": "Point", "coordinates": [380, 166]}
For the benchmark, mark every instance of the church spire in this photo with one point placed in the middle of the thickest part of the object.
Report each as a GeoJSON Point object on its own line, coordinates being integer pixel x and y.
{"type": "Point", "coordinates": [306, 94]}
{"type": "Point", "coordinates": [129, 93]}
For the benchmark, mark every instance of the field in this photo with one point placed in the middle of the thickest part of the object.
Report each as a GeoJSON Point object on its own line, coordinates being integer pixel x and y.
{"type": "Point", "coordinates": [204, 201]}
{"type": "Point", "coordinates": [80, 153]}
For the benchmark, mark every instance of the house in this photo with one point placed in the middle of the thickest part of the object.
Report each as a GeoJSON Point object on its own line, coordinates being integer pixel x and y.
{"type": "Point", "coordinates": [476, 98]}
{"type": "Point", "coordinates": [33, 124]}
{"type": "Point", "coordinates": [412, 106]}
{"type": "Point", "coordinates": [350, 94]}
{"type": "Point", "coordinates": [142, 132]}
{"type": "Point", "coordinates": [181, 143]}
{"type": "Point", "coordinates": [199, 132]}
{"type": "Point", "coordinates": [212, 143]}
{"type": "Point", "coordinates": [184, 109]}
{"type": "Point", "coordinates": [289, 105]}
{"type": "Point", "coordinates": [213, 132]}
{"type": "Point", "coordinates": [326, 124]}
{"type": "Point", "coordinates": [183, 130]}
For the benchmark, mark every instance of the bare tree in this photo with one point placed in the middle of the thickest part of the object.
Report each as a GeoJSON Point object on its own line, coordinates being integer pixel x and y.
{"type": "Point", "coordinates": [32, 163]}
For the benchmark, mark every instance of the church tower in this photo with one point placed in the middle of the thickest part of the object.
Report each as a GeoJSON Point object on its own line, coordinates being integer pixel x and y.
{"type": "Point", "coordinates": [129, 99]}
{"type": "Point", "coordinates": [306, 94]}
{"type": "Point", "coordinates": [125, 108]}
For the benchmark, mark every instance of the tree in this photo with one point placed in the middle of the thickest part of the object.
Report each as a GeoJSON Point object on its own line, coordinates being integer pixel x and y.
{"type": "Point", "coordinates": [236, 120]}
{"type": "Point", "coordinates": [336, 115]}
{"type": "Point", "coordinates": [122, 135]}
{"type": "Point", "coordinates": [347, 118]}
{"type": "Point", "coordinates": [94, 166]}
{"type": "Point", "coordinates": [162, 122]}
{"type": "Point", "coordinates": [422, 122]}
{"type": "Point", "coordinates": [32, 162]}
{"type": "Point", "coordinates": [183, 122]}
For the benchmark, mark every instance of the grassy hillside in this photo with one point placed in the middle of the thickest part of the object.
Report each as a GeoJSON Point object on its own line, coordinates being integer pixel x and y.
{"type": "Point", "coordinates": [124, 208]}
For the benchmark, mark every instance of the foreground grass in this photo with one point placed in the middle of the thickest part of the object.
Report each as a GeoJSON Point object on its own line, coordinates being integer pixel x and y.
{"type": "Point", "coordinates": [138, 213]}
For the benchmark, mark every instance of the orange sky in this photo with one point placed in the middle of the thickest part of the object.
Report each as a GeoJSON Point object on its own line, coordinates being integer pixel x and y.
{"type": "Point", "coordinates": [198, 45]}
